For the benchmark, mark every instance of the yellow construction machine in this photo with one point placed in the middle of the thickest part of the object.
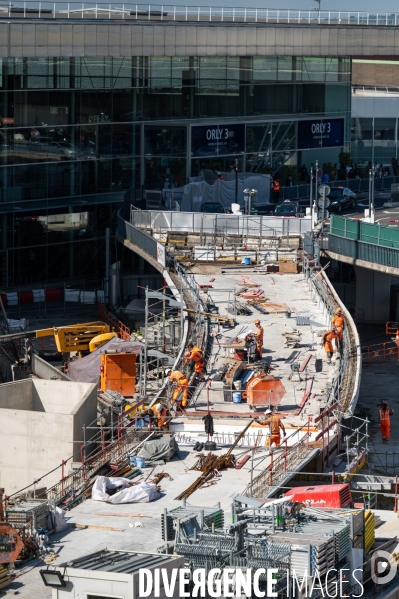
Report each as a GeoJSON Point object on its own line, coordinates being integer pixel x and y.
{"type": "Point", "coordinates": [83, 338]}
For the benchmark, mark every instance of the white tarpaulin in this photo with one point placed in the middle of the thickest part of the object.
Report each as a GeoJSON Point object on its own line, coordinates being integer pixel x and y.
{"type": "Point", "coordinates": [144, 492]}
{"type": "Point", "coordinates": [223, 191]}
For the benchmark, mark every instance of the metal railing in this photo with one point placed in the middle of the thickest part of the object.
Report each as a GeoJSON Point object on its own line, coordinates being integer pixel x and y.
{"type": "Point", "coordinates": [170, 12]}
{"type": "Point", "coordinates": [380, 352]}
{"type": "Point", "coordinates": [360, 250]}
{"type": "Point", "coordinates": [138, 237]}
{"type": "Point", "coordinates": [341, 396]}
{"type": "Point", "coordinates": [344, 389]}
{"type": "Point", "coordinates": [216, 225]}
{"type": "Point", "coordinates": [120, 328]}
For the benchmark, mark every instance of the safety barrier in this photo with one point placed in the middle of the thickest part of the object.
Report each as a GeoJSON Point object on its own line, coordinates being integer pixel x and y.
{"type": "Point", "coordinates": [120, 328]}
{"type": "Point", "coordinates": [162, 222]}
{"type": "Point", "coordinates": [382, 351]}
{"type": "Point", "coordinates": [391, 328]}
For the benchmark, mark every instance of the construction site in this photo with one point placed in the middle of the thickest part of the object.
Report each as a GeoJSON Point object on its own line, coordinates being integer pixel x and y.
{"type": "Point", "coordinates": [228, 417]}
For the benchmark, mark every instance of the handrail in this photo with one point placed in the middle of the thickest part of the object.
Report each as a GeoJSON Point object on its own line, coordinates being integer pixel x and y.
{"type": "Point", "coordinates": [30, 9]}
{"type": "Point", "coordinates": [113, 321]}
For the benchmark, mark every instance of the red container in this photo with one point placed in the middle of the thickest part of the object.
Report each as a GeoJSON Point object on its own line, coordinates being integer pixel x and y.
{"type": "Point", "coordinates": [322, 495]}
{"type": "Point", "coordinates": [53, 294]}
{"type": "Point", "coordinates": [240, 354]}
{"type": "Point", "coordinates": [26, 297]}
{"type": "Point", "coordinates": [4, 299]}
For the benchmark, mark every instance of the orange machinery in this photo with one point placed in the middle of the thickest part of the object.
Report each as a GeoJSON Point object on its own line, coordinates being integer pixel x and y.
{"type": "Point", "coordinates": [264, 390]}
{"type": "Point", "coordinates": [11, 546]}
{"type": "Point", "coordinates": [118, 373]}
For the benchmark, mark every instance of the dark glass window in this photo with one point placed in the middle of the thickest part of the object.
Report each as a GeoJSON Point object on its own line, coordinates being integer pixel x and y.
{"type": "Point", "coordinates": [165, 140]}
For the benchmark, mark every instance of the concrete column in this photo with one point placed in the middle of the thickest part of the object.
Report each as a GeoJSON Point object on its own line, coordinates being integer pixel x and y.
{"type": "Point", "coordinates": [373, 291]}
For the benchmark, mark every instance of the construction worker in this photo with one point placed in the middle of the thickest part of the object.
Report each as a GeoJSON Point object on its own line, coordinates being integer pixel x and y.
{"type": "Point", "coordinates": [259, 338]}
{"type": "Point", "coordinates": [274, 423]}
{"type": "Point", "coordinates": [327, 339]}
{"type": "Point", "coordinates": [181, 387]}
{"type": "Point", "coordinates": [160, 414]}
{"type": "Point", "coordinates": [195, 359]}
{"type": "Point", "coordinates": [276, 189]}
{"type": "Point", "coordinates": [338, 323]}
{"type": "Point", "coordinates": [384, 420]}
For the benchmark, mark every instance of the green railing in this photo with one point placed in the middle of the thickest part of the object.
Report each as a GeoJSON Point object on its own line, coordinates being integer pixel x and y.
{"type": "Point", "coordinates": [365, 232]}
{"type": "Point", "coordinates": [364, 241]}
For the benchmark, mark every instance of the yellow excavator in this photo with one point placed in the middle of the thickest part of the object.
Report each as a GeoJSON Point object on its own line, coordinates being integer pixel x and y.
{"type": "Point", "coordinates": [83, 338]}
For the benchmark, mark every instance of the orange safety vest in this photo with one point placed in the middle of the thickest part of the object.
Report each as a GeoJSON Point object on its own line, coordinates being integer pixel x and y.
{"type": "Point", "coordinates": [384, 416]}
{"type": "Point", "coordinates": [259, 336]}
{"type": "Point", "coordinates": [338, 321]}
{"type": "Point", "coordinates": [274, 423]}
{"type": "Point", "coordinates": [178, 377]}
{"type": "Point", "coordinates": [276, 185]}
{"type": "Point", "coordinates": [196, 354]}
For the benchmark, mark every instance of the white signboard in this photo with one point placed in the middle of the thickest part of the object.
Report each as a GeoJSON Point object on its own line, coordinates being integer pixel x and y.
{"type": "Point", "coordinates": [161, 254]}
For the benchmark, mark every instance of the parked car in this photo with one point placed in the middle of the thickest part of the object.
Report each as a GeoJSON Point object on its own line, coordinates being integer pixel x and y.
{"type": "Point", "coordinates": [340, 199]}
{"type": "Point", "coordinates": [263, 210]}
{"type": "Point", "coordinates": [288, 208]}
{"type": "Point", "coordinates": [212, 208]}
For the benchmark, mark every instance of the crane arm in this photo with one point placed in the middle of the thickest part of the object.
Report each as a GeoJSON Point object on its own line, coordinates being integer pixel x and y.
{"type": "Point", "coordinates": [68, 338]}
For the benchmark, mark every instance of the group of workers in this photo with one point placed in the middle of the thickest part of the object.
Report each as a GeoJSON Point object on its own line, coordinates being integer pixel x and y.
{"type": "Point", "coordinates": [194, 359]}
{"type": "Point", "coordinates": [335, 333]}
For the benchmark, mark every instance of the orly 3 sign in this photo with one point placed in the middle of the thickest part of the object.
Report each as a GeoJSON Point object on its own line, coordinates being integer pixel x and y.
{"type": "Point", "coordinates": [217, 140]}
{"type": "Point", "coordinates": [320, 133]}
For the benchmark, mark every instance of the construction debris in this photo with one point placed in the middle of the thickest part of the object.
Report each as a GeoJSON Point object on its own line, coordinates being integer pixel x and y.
{"type": "Point", "coordinates": [160, 476]}
{"type": "Point", "coordinates": [212, 465]}
{"type": "Point", "coordinates": [125, 492]}
{"type": "Point", "coordinates": [238, 308]}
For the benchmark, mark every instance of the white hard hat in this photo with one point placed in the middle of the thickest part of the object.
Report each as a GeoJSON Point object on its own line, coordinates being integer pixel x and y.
{"type": "Point", "coordinates": [159, 407]}
{"type": "Point", "coordinates": [168, 371]}
{"type": "Point", "coordinates": [268, 411]}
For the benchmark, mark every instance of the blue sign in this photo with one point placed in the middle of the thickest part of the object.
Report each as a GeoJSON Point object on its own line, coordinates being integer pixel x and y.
{"type": "Point", "coordinates": [320, 133]}
{"type": "Point", "coordinates": [217, 140]}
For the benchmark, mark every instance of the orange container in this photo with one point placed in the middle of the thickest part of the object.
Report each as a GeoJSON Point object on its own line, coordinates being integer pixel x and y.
{"type": "Point", "coordinates": [118, 373]}
{"type": "Point", "coordinates": [264, 390]}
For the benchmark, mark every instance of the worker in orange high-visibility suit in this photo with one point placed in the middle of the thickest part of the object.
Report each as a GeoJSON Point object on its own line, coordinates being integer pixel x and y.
{"type": "Point", "coordinates": [160, 415]}
{"type": "Point", "coordinates": [195, 359]}
{"type": "Point", "coordinates": [327, 339]}
{"type": "Point", "coordinates": [274, 423]}
{"type": "Point", "coordinates": [259, 339]}
{"type": "Point", "coordinates": [181, 387]}
{"type": "Point", "coordinates": [338, 323]}
{"type": "Point", "coordinates": [384, 420]}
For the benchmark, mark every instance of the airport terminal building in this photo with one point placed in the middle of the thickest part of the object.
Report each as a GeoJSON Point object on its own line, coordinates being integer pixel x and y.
{"type": "Point", "coordinates": [93, 105]}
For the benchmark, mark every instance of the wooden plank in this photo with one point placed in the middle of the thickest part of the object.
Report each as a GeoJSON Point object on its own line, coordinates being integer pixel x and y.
{"type": "Point", "coordinates": [305, 396]}
{"type": "Point", "coordinates": [242, 462]}
{"type": "Point", "coordinates": [106, 514]}
{"type": "Point", "coordinates": [80, 526]}
{"type": "Point", "coordinates": [306, 361]}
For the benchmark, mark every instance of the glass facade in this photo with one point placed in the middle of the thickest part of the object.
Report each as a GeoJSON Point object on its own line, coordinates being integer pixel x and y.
{"type": "Point", "coordinates": [76, 133]}
{"type": "Point", "coordinates": [374, 140]}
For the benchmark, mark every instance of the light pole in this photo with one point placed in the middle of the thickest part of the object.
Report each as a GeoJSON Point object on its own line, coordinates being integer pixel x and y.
{"type": "Point", "coordinates": [236, 172]}
{"type": "Point", "coordinates": [371, 195]}
{"type": "Point", "coordinates": [319, 7]}
{"type": "Point", "coordinates": [249, 194]}
{"type": "Point", "coordinates": [311, 190]}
